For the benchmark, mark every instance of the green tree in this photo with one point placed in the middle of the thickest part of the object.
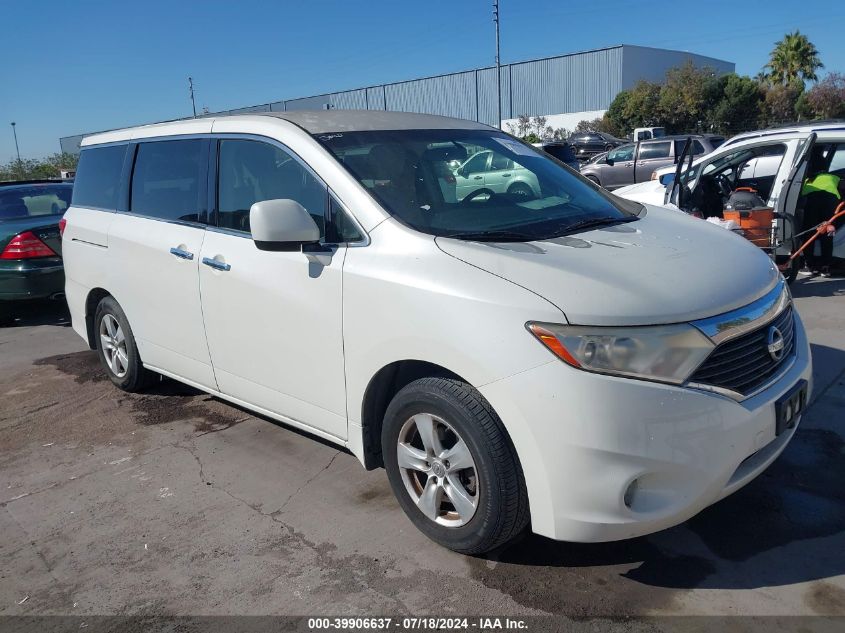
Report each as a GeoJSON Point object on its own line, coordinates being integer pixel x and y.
{"type": "Point", "coordinates": [688, 98]}
{"type": "Point", "coordinates": [826, 100]}
{"type": "Point", "coordinates": [738, 107]}
{"type": "Point", "coordinates": [794, 58]}
{"type": "Point", "coordinates": [779, 104]}
{"type": "Point", "coordinates": [32, 169]}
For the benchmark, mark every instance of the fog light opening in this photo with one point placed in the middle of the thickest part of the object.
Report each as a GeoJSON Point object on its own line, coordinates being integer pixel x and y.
{"type": "Point", "coordinates": [628, 499]}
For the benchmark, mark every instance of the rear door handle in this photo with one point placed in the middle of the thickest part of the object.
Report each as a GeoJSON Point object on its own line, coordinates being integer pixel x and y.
{"type": "Point", "coordinates": [477, 177]}
{"type": "Point", "coordinates": [215, 264]}
{"type": "Point", "coordinates": [181, 253]}
{"type": "Point", "coordinates": [506, 175]}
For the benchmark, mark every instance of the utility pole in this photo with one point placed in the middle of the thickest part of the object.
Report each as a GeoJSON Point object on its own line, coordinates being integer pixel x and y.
{"type": "Point", "coordinates": [17, 149]}
{"type": "Point", "coordinates": [191, 90]}
{"type": "Point", "coordinates": [498, 68]}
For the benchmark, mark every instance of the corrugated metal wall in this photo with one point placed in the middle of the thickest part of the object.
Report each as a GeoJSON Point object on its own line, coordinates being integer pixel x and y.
{"type": "Point", "coordinates": [577, 82]}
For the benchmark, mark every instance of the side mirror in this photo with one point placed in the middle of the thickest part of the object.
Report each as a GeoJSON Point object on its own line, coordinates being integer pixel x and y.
{"type": "Point", "coordinates": [282, 225]}
{"type": "Point", "coordinates": [609, 161]}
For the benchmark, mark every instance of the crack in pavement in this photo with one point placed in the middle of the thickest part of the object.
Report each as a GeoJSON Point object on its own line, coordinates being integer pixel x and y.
{"type": "Point", "coordinates": [60, 585]}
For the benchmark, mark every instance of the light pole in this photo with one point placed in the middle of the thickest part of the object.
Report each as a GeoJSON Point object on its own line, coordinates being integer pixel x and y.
{"type": "Point", "coordinates": [191, 90]}
{"type": "Point", "coordinates": [498, 69]}
{"type": "Point", "coordinates": [17, 149]}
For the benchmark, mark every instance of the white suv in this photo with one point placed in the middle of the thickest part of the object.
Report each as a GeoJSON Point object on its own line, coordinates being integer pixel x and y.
{"type": "Point", "coordinates": [590, 366]}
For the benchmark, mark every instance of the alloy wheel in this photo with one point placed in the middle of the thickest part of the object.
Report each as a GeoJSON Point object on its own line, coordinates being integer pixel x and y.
{"type": "Point", "coordinates": [438, 470]}
{"type": "Point", "coordinates": [113, 343]}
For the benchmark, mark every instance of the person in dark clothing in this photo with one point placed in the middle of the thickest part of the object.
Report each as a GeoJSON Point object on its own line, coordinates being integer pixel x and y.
{"type": "Point", "coordinates": [821, 197]}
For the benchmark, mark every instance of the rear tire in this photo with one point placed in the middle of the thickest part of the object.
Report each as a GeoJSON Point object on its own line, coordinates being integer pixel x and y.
{"type": "Point", "coordinates": [473, 503]}
{"type": "Point", "coordinates": [117, 349]}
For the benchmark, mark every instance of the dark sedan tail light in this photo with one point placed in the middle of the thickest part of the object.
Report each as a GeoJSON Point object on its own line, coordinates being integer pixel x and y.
{"type": "Point", "coordinates": [62, 224]}
{"type": "Point", "coordinates": [26, 246]}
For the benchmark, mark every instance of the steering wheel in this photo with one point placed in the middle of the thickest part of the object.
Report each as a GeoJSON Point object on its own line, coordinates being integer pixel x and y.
{"type": "Point", "coordinates": [724, 184]}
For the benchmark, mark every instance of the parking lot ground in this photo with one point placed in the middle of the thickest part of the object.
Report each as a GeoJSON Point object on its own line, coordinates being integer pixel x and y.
{"type": "Point", "coordinates": [173, 502]}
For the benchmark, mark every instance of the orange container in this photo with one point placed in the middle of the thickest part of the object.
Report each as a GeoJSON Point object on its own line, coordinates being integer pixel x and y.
{"type": "Point", "coordinates": [756, 224]}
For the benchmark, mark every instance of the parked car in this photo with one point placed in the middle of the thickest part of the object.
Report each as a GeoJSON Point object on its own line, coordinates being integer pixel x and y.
{"type": "Point", "coordinates": [636, 162]}
{"type": "Point", "coordinates": [589, 144]}
{"type": "Point", "coordinates": [555, 361]}
{"type": "Point", "coordinates": [489, 172]}
{"type": "Point", "coordinates": [561, 150]}
{"type": "Point", "coordinates": [30, 244]}
{"type": "Point", "coordinates": [646, 133]}
{"type": "Point", "coordinates": [772, 164]}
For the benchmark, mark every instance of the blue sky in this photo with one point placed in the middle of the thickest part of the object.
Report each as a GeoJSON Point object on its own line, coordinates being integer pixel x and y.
{"type": "Point", "coordinates": [72, 67]}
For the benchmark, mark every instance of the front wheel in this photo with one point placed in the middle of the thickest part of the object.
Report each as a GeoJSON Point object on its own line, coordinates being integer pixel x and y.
{"type": "Point", "coordinates": [117, 349]}
{"type": "Point", "coordinates": [452, 466]}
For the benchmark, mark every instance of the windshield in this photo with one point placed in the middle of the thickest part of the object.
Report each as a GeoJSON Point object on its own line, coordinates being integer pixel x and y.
{"type": "Point", "coordinates": [20, 201]}
{"type": "Point", "coordinates": [474, 184]}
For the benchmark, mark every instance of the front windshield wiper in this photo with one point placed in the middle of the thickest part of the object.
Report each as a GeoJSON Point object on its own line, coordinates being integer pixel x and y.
{"type": "Point", "coordinates": [493, 236]}
{"type": "Point", "coordinates": [593, 222]}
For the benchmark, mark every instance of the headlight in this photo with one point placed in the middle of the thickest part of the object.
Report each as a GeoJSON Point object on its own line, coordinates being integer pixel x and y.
{"type": "Point", "coordinates": [665, 353]}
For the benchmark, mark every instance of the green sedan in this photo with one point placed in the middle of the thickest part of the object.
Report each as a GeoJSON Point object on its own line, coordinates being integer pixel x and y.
{"type": "Point", "coordinates": [30, 242]}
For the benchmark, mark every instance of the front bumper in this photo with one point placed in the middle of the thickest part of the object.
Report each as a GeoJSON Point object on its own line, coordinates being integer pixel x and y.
{"type": "Point", "coordinates": [583, 438]}
{"type": "Point", "coordinates": [21, 280]}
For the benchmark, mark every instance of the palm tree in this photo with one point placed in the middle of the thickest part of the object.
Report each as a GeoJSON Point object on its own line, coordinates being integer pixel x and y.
{"type": "Point", "coordinates": [793, 58]}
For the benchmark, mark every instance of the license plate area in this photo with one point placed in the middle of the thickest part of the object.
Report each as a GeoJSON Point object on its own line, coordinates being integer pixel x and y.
{"type": "Point", "coordinates": [789, 406]}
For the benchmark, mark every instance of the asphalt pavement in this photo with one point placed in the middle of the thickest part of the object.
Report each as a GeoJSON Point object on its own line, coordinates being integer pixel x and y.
{"type": "Point", "coordinates": [174, 502]}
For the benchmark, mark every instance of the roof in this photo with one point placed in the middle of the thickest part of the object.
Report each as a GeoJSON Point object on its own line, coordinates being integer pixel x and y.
{"type": "Point", "coordinates": [312, 121]}
{"type": "Point", "coordinates": [323, 121]}
{"type": "Point", "coordinates": [30, 183]}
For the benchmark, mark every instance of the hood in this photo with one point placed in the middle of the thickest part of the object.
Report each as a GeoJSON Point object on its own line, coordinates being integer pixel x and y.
{"type": "Point", "coordinates": [646, 192]}
{"type": "Point", "coordinates": [666, 267]}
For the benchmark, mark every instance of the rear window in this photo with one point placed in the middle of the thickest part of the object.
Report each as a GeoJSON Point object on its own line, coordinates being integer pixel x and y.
{"type": "Point", "coordinates": [697, 147]}
{"type": "Point", "coordinates": [165, 180]}
{"type": "Point", "coordinates": [34, 200]}
{"type": "Point", "coordinates": [97, 182]}
{"type": "Point", "coordinates": [563, 153]}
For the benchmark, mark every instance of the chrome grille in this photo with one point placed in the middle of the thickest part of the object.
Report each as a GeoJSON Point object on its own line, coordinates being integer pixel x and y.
{"type": "Point", "coordinates": [743, 364]}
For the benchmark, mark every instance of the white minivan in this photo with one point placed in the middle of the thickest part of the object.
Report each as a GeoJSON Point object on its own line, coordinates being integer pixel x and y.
{"type": "Point", "coordinates": [586, 365]}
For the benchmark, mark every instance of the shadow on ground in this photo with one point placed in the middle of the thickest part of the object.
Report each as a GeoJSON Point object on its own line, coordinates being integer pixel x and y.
{"type": "Point", "coordinates": [45, 312]}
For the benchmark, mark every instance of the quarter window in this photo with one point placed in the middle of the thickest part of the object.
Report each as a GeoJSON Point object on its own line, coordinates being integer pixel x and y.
{"type": "Point", "coordinates": [97, 182]}
{"type": "Point", "coordinates": [252, 171]}
{"type": "Point", "coordinates": [165, 180]}
{"type": "Point", "coordinates": [341, 228]}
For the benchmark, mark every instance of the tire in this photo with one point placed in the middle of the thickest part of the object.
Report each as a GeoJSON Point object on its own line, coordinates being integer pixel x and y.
{"type": "Point", "coordinates": [494, 503]}
{"type": "Point", "coordinates": [521, 189]}
{"type": "Point", "coordinates": [594, 179]}
{"type": "Point", "coordinates": [791, 274]}
{"type": "Point", "coordinates": [113, 335]}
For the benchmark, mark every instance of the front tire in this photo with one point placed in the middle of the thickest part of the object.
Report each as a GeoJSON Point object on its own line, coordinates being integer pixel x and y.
{"type": "Point", "coordinates": [117, 349]}
{"type": "Point", "coordinates": [452, 466]}
{"type": "Point", "coordinates": [594, 179]}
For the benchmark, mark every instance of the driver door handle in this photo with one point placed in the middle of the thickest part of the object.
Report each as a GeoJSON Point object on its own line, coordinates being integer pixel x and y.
{"type": "Point", "coordinates": [477, 177]}
{"type": "Point", "coordinates": [506, 175]}
{"type": "Point", "coordinates": [215, 264]}
{"type": "Point", "coordinates": [181, 253]}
